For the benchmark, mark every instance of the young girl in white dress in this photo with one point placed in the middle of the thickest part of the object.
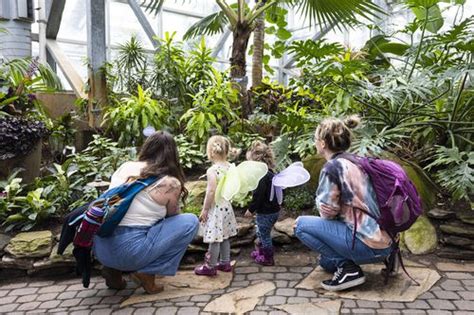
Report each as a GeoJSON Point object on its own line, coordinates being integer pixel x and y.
{"type": "Point", "coordinates": [218, 219]}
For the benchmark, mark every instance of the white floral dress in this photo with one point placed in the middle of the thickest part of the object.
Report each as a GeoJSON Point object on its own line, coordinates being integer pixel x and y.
{"type": "Point", "coordinates": [221, 223]}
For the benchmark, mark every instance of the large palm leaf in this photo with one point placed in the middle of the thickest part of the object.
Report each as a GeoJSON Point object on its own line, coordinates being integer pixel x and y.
{"type": "Point", "coordinates": [323, 12]}
{"type": "Point", "coordinates": [209, 25]}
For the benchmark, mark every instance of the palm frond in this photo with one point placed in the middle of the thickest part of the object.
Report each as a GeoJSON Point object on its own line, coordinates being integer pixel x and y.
{"type": "Point", "coordinates": [209, 25]}
{"type": "Point", "coordinates": [153, 6]}
{"type": "Point", "coordinates": [336, 12]}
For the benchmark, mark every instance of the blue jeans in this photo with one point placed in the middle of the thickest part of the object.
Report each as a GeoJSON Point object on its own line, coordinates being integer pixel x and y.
{"type": "Point", "coordinates": [156, 249]}
{"type": "Point", "coordinates": [265, 223]}
{"type": "Point", "coordinates": [333, 240]}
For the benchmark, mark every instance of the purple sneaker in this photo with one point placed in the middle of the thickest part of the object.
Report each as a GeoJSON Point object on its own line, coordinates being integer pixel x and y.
{"type": "Point", "coordinates": [205, 270]}
{"type": "Point", "coordinates": [224, 266]}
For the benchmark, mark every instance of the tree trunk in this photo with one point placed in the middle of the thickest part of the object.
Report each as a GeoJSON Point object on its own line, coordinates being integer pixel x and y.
{"type": "Point", "coordinates": [238, 71]}
{"type": "Point", "coordinates": [257, 58]}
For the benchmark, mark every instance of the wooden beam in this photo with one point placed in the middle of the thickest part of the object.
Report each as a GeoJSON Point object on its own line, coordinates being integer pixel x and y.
{"type": "Point", "coordinates": [54, 16]}
{"type": "Point", "coordinates": [74, 79]}
{"type": "Point", "coordinates": [150, 33]}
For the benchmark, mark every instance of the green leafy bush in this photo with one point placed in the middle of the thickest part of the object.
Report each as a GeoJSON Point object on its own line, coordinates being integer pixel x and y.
{"type": "Point", "coordinates": [190, 154]}
{"type": "Point", "coordinates": [127, 120]}
{"type": "Point", "coordinates": [212, 109]}
{"type": "Point", "coordinates": [65, 187]}
{"type": "Point", "coordinates": [298, 198]}
{"type": "Point", "coordinates": [454, 171]}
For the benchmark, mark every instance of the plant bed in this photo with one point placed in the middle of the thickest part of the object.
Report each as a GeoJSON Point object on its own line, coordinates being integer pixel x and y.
{"type": "Point", "coordinates": [21, 146]}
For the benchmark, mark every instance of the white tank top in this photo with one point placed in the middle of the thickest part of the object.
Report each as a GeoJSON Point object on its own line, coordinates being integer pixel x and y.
{"type": "Point", "coordinates": [143, 210]}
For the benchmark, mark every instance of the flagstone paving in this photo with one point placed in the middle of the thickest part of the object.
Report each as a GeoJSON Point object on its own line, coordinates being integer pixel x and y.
{"type": "Point", "coordinates": [452, 294]}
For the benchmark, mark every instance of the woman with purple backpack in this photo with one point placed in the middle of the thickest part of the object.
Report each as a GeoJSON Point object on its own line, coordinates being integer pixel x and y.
{"type": "Point", "coordinates": [345, 238]}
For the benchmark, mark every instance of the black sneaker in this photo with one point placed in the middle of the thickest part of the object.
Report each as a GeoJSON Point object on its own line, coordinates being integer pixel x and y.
{"type": "Point", "coordinates": [349, 276]}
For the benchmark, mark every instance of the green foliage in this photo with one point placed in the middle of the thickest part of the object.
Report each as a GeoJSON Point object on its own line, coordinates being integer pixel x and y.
{"type": "Point", "coordinates": [310, 51]}
{"type": "Point", "coordinates": [212, 107]}
{"type": "Point", "coordinates": [209, 25]}
{"type": "Point", "coordinates": [131, 67]}
{"type": "Point", "coordinates": [455, 171]}
{"type": "Point", "coordinates": [65, 187]}
{"type": "Point", "coordinates": [243, 140]}
{"type": "Point", "coordinates": [298, 198]}
{"type": "Point", "coordinates": [62, 136]}
{"type": "Point", "coordinates": [134, 114]}
{"type": "Point", "coordinates": [20, 79]}
{"type": "Point", "coordinates": [190, 154]}
{"type": "Point", "coordinates": [199, 67]}
{"type": "Point", "coordinates": [191, 208]}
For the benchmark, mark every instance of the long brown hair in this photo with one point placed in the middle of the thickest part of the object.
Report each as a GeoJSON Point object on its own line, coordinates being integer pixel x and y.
{"type": "Point", "coordinates": [161, 155]}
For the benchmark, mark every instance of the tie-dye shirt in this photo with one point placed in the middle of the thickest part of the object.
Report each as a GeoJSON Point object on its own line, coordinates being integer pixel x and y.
{"type": "Point", "coordinates": [342, 185]}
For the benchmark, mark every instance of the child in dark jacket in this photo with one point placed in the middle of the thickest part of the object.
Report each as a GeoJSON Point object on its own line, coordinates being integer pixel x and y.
{"type": "Point", "coordinates": [266, 211]}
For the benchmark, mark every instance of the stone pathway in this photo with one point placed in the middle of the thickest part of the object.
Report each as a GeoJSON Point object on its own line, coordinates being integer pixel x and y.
{"type": "Point", "coordinates": [453, 294]}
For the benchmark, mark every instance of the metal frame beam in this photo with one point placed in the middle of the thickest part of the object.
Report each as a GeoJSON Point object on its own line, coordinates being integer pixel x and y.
{"type": "Point", "coordinates": [144, 22]}
{"type": "Point", "coordinates": [221, 42]}
{"type": "Point", "coordinates": [97, 57]}
{"type": "Point", "coordinates": [54, 14]}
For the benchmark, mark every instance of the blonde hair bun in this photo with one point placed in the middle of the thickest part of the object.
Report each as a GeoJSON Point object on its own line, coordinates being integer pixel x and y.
{"type": "Point", "coordinates": [352, 121]}
{"type": "Point", "coordinates": [216, 148]}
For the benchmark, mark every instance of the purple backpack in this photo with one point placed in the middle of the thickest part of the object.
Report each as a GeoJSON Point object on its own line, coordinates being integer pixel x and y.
{"type": "Point", "coordinates": [397, 198]}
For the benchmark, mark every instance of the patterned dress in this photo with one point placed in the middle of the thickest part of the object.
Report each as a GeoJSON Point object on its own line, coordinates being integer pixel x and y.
{"type": "Point", "coordinates": [221, 223]}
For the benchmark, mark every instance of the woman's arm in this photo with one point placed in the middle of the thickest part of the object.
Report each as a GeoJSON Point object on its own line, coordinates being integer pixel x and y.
{"type": "Point", "coordinates": [167, 193]}
{"type": "Point", "coordinates": [328, 199]}
{"type": "Point", "coordinates": [210, 194]}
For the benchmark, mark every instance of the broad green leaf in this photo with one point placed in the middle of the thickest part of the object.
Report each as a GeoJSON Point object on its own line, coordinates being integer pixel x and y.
{"type": "Point", "coordinates": [283, 34]}
{"type": "Point", "coordinates": [435, 19]}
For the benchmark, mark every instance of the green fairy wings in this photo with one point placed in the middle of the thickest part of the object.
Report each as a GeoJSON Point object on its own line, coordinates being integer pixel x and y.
{"type": "Point", "coordinates": [240, 180]}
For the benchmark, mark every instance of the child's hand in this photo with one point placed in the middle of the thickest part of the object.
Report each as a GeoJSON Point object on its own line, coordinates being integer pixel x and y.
{"type": "Point", "coordinates": [203, 216]}
{"type": "Point", "coordinates": [248, 214]}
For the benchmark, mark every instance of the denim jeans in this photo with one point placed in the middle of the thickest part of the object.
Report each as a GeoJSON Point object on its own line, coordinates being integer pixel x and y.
{"type": "Point", "coordinates": [156, 249]}
{"type": "Point", "coordinates": [333, 240]}
{"type": "Point", "coordinates": [265, 223]}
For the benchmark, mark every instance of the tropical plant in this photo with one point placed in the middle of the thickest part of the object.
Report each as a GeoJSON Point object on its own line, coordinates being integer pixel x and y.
{"type": "Point", "coordinates": [211, 109]}
{"type": "Point", "coordinates": [454, 171]}
{"type": "Point", "coordinates": [190, 154]}
{"type": "Point", "coordinates": [131, 67]}
{"type": "Point", "coordinates": [128, 120]}
{"type": "Point", "coordinates": [241, 20]}
{"type": "Point", "coordinates": [20, 79]}
{"type": "Point", "coordinates": [199, 68]}
{"type": "Point", "coordinates": [168, 78]}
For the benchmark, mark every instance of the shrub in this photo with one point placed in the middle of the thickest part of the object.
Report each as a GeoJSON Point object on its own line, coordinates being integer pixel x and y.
{"type": "Point", "coordinates": [298, 198]}
{"type": "Point", "coordinates": [18, 136]}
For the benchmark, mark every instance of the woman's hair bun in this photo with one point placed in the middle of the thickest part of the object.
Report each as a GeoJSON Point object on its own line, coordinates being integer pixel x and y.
{"type": "Point", "coordinates": [352, 121]}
